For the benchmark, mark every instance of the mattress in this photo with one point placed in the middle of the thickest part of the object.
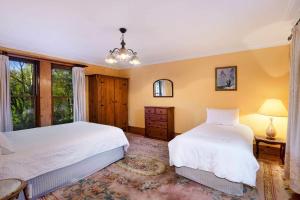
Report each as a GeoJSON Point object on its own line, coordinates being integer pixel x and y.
{"type": "Point", "coordinates": [41, 150]}
{"type": "Point", "coordinates": [226, 151]}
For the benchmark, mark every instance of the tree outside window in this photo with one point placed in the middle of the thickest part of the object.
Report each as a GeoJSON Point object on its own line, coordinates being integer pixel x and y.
{"type": "Point", "coordinates": [23, 93]}
{"type": "Point", "coordinates": [62, 95]}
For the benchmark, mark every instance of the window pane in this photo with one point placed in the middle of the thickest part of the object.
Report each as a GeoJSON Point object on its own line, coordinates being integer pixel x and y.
{"type": "Point", "coordinates": [22, 88]}
{"type": "Point", "coordinates": [62, 110]}
{"type": "Point", "coordinates": [62, 82]}
{"type": "Point", "coordinates": [21, 78]}
{"type": "Point", "coordinates": [62, 98]}
{"type": "Point", "coordinates": [23, 112]}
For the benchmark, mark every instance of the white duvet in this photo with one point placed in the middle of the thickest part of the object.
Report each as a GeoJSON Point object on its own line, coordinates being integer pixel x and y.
{"type": "Point", "coordinates": [223, 150]}
{"type": "Point", "coordinates": [40, 150]}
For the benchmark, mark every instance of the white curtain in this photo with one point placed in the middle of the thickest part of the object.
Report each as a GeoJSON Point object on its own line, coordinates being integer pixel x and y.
{"type": "Point", "coordinates": [79, 104]}
{"type": "Point", "coordinates": [292, 154]}
{"type": "Point", "coordinates": [5, 111]}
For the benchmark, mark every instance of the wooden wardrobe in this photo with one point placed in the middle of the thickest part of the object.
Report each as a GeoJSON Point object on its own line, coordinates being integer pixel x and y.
{"type": "Point", "coordinates": [108, 100]}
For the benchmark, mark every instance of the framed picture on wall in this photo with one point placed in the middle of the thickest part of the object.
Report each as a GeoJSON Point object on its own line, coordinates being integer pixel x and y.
{"type": "Point", "coordinates": [226, 78]}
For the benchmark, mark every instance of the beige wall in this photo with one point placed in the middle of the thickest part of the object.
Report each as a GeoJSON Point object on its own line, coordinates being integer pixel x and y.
{"type": "Point", "coordinates": [262, 74]}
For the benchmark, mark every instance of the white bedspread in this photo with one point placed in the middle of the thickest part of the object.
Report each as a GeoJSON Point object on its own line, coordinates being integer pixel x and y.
{"type": "Point", "coordinates": [40, 150]}
{"type": "Point", "coordinates": [223, 150]}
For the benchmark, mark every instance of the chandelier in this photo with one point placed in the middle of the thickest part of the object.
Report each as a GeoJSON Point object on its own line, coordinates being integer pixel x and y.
{"type": "Point", "coordinates": [122, 54]}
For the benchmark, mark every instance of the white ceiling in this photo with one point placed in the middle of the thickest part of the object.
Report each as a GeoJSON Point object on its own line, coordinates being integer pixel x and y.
{"type": "Point", "coordinates": [159, 30]}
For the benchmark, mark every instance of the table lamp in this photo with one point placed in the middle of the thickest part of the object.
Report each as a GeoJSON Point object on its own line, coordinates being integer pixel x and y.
{"type": "Point", "coordinates": [272, 108]}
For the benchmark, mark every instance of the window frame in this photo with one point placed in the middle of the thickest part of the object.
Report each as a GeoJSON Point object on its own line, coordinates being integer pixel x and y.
{"type": "Point", "coordinates": [57, 66]}
{"type": "Point", "coordinates": [35, 84]}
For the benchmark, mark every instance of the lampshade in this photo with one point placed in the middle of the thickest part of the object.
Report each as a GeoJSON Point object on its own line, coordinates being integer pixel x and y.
{"type": "Point", "coordinates": [123, 54]}
{"type": "Point", "coordinates": [111, 59]}
{"type": "Point", "coordinates": [135, 60]}
{"type": "Point", "coordinates": [274, 108]}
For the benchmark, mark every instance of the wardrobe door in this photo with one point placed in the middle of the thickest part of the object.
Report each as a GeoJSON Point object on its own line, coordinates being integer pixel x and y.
{"type": "Point", "coordinates": [121, 103]}
{"type": "Point", "coordinates": [107, 110]}
{"type": "Point", "coordinates": [93, 99]}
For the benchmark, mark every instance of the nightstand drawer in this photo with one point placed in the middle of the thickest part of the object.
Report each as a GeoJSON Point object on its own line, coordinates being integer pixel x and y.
{"type": "Point", "coordinates": [280, 142]}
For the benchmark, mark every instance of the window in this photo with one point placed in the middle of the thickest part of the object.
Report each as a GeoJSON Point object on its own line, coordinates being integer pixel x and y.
{"type": "Point", "coordinates": [23, 88]}
{"type": "Point", "coordinates": [62, 94]}
{"type": "Point", "coordinates": [158, 88]}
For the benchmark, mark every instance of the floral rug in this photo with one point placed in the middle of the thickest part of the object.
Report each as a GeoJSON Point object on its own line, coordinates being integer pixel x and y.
{"type": "Point", "coordinates": [143, 165]}
{"type": "Point", "coordinates": [145, 174]}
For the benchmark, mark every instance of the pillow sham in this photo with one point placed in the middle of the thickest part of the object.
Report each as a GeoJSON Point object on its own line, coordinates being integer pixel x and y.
{"type": "Point", "coordinates": [5, 146]}
{"type": "Point", "coordinates": [222, 116]}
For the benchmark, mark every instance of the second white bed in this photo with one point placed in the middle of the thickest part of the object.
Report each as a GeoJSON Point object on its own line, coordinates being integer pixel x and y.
{"type": "Point", "coordinates": [226, 151]}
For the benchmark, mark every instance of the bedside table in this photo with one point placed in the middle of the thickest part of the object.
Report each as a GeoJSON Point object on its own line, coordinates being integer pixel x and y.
{"type": "Point", "coordinates": [280, 142]}
{"type": "Point", "coordinates": [11, 188]}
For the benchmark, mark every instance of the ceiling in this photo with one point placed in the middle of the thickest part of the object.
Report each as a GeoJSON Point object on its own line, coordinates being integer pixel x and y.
{"type": "Point", "coordinates": [160, 31]}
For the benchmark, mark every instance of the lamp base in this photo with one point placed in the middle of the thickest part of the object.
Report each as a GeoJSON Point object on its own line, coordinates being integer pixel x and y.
{"type": "Point", "coordinates": [271, 132]}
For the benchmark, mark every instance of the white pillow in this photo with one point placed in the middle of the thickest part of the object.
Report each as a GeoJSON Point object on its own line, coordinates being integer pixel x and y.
{"type": "Point", "coordinates": [222, 116]}
{"type": "Point", "coordinates": [5, 146]}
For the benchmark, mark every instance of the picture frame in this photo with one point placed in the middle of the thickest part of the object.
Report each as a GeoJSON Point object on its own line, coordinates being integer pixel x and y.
{"type": "Point", "coordinates": [226, 78]}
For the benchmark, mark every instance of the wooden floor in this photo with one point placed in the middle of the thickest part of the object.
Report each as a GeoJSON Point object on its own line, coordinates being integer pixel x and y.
{"type": "Point", "coordinates": [272, 153]}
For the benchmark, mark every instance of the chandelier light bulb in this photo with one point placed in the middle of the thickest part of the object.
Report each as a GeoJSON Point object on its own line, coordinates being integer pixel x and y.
{"type": "Point", "coordinates": [134, 60]}
{"type": "Point", "coordinates": [123, 54]}
{"type": "Point", "coordinates": [110, 59]}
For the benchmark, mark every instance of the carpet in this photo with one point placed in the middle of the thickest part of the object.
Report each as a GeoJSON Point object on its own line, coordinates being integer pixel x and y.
{"type": "Point", "coordinates": [145, 174]}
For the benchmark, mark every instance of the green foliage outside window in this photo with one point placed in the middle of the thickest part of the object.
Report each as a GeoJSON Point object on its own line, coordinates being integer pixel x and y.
{"type": "Point", "coordinates": [22, 94]}
{"type": "Point", "coordinates": [62, 96]}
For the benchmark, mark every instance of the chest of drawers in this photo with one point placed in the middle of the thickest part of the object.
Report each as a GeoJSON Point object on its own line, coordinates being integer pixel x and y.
{"type": "Point", "coordinates": [159, 122]}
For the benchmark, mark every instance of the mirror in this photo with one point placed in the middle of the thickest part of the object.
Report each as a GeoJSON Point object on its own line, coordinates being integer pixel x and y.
{"type": "Point", "coordinates": [163, 88]}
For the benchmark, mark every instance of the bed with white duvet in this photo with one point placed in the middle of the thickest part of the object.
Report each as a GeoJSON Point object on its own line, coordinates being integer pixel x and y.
{"type": "Point", "coordinates": [45, 150]}
{"type": "Point", "coordinates": [221, 147]}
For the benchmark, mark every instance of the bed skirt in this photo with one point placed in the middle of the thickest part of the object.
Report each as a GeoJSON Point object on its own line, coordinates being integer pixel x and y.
{"type": "Point", "coordinates": [53, 180]}
{"type": "Point", "coordinates": [212, 181]}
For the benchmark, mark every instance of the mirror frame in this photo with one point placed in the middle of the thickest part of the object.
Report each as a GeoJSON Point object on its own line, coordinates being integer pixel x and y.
{"type": "Point", "coordinates": [165, 80]}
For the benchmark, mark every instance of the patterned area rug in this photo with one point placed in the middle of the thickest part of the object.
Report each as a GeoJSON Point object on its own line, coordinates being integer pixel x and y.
{"type": "Point", "coordinates": [143, 165]}
{"type": "Point", "coordinates": [145, 174]}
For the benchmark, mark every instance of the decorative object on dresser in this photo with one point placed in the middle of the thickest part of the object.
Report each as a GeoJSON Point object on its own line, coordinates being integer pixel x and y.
{"type": "Point", "coordinates": [108, 100]}
{"type": "Point", "coordinates": [163, 88]}
{"type": "Point", "coordinates": [226, 78]}
{"type": "Point", "coordinates": [159, 122]}
{"type": "Point", "coordinates": [279, 142]}
{"type": "Point", "coordinates": [272, 108]}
